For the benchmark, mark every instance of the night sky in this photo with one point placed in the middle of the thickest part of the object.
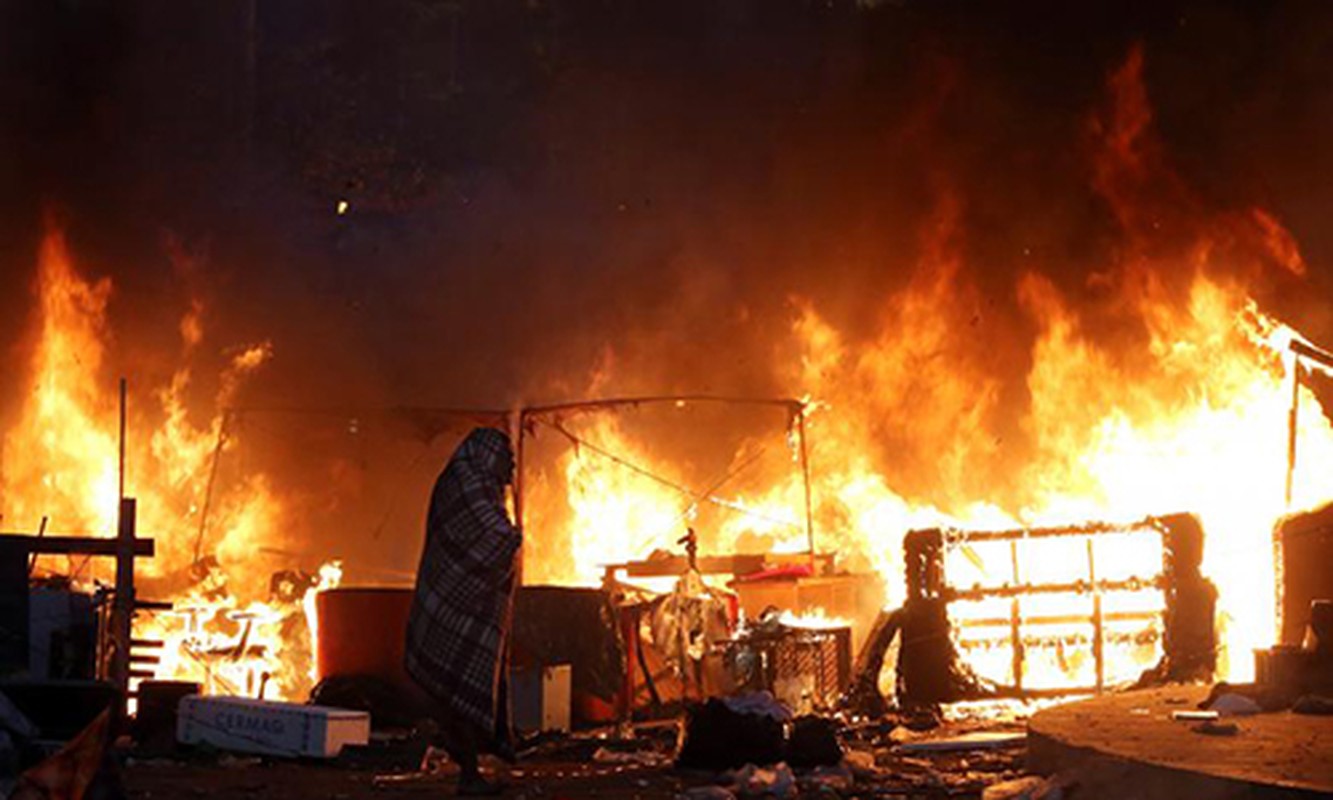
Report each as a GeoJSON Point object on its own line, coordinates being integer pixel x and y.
{"type": "Point", "coordinates": [532, 186]}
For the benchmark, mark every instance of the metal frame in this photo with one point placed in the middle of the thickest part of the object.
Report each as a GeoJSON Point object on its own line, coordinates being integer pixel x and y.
{"type": "Point", "coordinates": [928, 584]}
{"type": "Point", "coordinates": [523, 418]}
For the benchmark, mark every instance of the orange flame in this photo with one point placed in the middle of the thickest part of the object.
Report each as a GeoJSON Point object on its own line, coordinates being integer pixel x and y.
{"type": "Point", "coordinates": [60, 461]}
{"type": "Point", "coordinates": [1165, 388]}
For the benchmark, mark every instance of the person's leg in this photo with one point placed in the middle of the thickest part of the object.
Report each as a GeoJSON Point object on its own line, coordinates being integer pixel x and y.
{"type": "Point", "coordinates": [462, 742]}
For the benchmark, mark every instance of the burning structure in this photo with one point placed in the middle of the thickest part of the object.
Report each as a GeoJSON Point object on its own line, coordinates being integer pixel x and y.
{"type": "Point", "coordinates": [1070, 427]}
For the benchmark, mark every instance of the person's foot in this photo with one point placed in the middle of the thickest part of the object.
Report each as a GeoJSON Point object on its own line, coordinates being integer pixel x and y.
{"type": "Point", "coordinates": [505, 752]}
{"type": "Point", "coordinates": [477, 786]}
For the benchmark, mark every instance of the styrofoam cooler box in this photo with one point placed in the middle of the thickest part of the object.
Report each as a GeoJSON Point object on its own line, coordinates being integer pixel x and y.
{"type": "Point", "coordinates": [541, 698]}
{"type": "Point", "coordinates": [268, 727]}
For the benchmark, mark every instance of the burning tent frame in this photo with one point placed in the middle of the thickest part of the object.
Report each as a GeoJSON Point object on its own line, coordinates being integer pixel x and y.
{"type": "Point", "coordinates": [525, 420]}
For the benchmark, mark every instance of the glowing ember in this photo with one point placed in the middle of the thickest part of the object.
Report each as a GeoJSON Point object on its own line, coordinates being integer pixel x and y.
{"type": "Point", "coordinates": [813, 619]}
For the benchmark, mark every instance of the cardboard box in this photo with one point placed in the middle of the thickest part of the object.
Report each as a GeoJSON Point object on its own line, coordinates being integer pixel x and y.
{"type": "Point", "coordinates": [270, 728]}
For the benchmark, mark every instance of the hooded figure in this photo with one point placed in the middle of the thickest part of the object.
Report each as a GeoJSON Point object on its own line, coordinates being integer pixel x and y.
{"type": "Point", "coordinates": [458, 630]}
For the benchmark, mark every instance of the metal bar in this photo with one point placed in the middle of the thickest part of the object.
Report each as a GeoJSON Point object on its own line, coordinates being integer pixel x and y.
{"type": "Point", "coordinates": [1077, 587]}
{"type": "Point", "coordinates": [1098, 651]}
{"type": "Point", "coordinates": [1063, 619]}
{"type": "Point", "coordinates": [32, 557]}
{"type": "Point", "coordinates": [123, 394]}
{"type": "Point", "coordinates": [1015, 630]}
{"type": "Point", "coordinates": [75, 545]}
{"type": "Point", "coordinates": [612, 402]}
{"type": "Point", "coordinates": [1311, 352]}
{"type": "Point", "coordinates": [122, 612]}
{"type": "Point", "coordinates": [973, 594]}
{"type": "Point", "coordinates": [1292, 419]}
{"type": "Point", "coordinates": [805, 477]}
{"type": "Point", "coordinates": [488, 415]}
{"type": "Point", "coordinates": [223, 425]}
{"type": "Point", "coordinates": [1147, 524]}
{"type": "Point", "coordinates": [1052, 640]}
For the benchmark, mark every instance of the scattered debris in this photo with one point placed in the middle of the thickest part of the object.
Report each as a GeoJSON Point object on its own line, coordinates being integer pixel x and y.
{"type": "Point", "coordinates": [1031, 787]}
{"type": "Point", "coordinates": [229, 761]}
{"type": "Point", "coordinates": [1314, 704]}
{"type": "Point", "coordinates": [13, 721]}
{"type": "Point", "coordinates": [707, 793]}
{"type": "Point", "coordinates": [643, 758]}
{"type": "Point", "coordinates": [833, 780]}
{"type": "Point", "coordinates": [1234, 705]}
{"type": "Point", "coordinates": [1194, 716]}
{"type": "Point", "coordinates": [861, 762]}
{"type": "Point", "coordinates": [82, 767]}
{"type": "Point", "coordinates": [718, 737]}
{"type": "Point", "coordinates": [814, 743]}
{"type": "Point", "coordinates": [777, 781]}
{"type": "Point", "coordinates": [759, 703]}
{"type": "Point", "coordinates": [1212, 728]}
{"type": "Point", "coordinates": [978, 740]}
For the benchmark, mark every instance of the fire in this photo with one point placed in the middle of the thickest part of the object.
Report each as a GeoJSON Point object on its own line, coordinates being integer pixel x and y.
{"type": "Point", "coordinates": [230, 630]}
{"type": "Point", "coordinates": [1160, 386]}
{"type": "Point", "coordinates": [813, 619]}
{"type": "Point", "coordinates": [610, 512]}
{"type": "Point", "coordinates": [1157, 385]}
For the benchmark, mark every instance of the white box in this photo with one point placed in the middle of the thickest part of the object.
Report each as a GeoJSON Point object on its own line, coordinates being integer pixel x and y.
{"type": "Point", "coordinates": [541, 698]}
{"type": "Point", "coordinates": [268, 727]}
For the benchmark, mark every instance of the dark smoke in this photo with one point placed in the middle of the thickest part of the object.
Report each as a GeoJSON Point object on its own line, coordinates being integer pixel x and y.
{"type": "Point", "coordinates": [540, 188]}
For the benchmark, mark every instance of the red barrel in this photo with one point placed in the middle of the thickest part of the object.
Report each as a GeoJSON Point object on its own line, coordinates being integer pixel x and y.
{"type": "Point", "coordinates": [361, 632]}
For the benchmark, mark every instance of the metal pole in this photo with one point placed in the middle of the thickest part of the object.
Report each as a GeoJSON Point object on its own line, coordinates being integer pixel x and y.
{"type": "Point", "coordinates": [121, 492]}
{"type": "Point", "coordinates": [805, 476]}
{"type": "Point", "coordinates": [32, 559]}
{"type": "Point", "coordinates": [122, 610]}
{"type": "Point", "coordinates": [1291, 425]}
{"type": "Point", "coordinates": [517, 420]}
{"type": "Point", "coordinates": [1015, 632]}
{"type": "Point", "coordinates": [212, 479]}
{"type": "Point", "coordinates": [1098, 632]}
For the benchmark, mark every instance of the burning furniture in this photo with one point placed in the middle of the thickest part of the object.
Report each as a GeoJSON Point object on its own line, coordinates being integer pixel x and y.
{"type": "Point", "coordinates": [1050, 624]}
{"type": "Point", "coordinates": [796, 641]}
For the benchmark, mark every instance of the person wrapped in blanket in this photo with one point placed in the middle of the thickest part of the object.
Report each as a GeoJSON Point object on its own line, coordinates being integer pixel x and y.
{"type": "Point", "coordinates": [457, 647]}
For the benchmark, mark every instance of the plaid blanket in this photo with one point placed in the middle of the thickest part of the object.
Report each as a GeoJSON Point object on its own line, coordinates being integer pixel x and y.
{"type": "Point", "coordinates": [459, 625]}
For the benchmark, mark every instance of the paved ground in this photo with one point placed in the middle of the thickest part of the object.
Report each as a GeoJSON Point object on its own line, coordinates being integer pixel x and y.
{"type": "Point", "coordinates": [249, 781]}
{"type": "Point", "coordinates": [579, 768]}
{"type": "Point", "coordinates": [1132, 738]}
